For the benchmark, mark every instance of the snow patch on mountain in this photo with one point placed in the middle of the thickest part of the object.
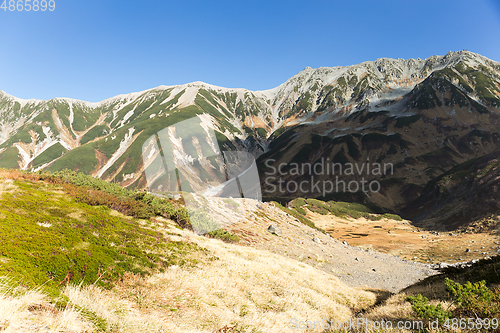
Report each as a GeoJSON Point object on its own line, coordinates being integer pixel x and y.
{"type": "Point", "coordinates": [28, 152]}
{"type": "Point", "coordinates": [207, 123]}
{"type": "Point", "coordinates": [187, 98]}
{"type": "Point", "coordinates": [127, 141]}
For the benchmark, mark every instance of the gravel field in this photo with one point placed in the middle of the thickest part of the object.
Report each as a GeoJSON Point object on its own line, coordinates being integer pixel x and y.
{"type": "Point", "coordinates": [355, 266]}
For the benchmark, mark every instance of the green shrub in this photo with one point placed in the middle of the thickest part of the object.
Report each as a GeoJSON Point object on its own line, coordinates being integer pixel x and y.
{"type": "Point", "coordinates": [474, 298]}
{"type": "Point", "coordinates": [350, 206]}
{"type": "Point", "coordinates": [339, 209]}
{"type": "Point", "coordinates": [299, 202]}
{"type": "Point", "coordinates": [420, 305]}
{"type": "Point", "coordinates": [321, 210]}
{"type": "Point", "coordinates": [298, 216]}
{"type": "Point", "coordinates": [301, 210]}
{"type": "Point", "coordinates": [181, 217]}
{"type": "Point", "coordinates": [392, 217]}
{"type": "Point", "coordinates": [315, 202]}
{"type": "Point", "coordinates": [318, 206]}
{"type": "Point", "coordinates": [372, 217]}
{"type": "Point", "coordinates": [224, 235]}
{"type": "Point", "coordinates": [126, 206]}
{"type": "Point", "coordinates": [200, 221]}
{"type": "Point", "coordinates": [139, 204]}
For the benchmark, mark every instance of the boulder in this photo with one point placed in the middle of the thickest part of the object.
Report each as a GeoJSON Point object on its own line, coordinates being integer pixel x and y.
{"type": "Point", "coordinates": [274, 230]}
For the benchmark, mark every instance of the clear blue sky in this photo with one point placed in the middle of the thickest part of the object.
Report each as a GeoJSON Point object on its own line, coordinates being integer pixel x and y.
{"type": "Point", "coordinates": [95, 49]}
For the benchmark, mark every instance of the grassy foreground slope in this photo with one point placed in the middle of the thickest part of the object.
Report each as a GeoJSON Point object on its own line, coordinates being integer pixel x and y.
{"type": "Point", "coordinates": [50, 236]}
{"type": "Point", "coordinates": [69, 263]}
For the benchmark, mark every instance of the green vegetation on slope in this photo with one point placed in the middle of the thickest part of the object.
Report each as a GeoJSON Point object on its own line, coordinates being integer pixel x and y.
{"type": "Point", "coordinates": [339, 209]}
{"type": "Point", "coordinates": [298, 216]}
{"type": "Point", "coordinates": [50, 238]}
{"type": "Point", "coordinates": [49, 155]}
{"type": "Point", "coordinates": [97, 191]}
{"type": "Point", "coordinates": [474, 290]}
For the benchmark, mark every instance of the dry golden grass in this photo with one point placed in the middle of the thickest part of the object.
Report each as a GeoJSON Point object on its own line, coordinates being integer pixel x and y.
{"type": "Point", "coordinates": [433, 290]}
{"type": "Point", "coordinates": [15, 174]}
{"type": "Point", "coordinates": [9, 174]}
{"type": "Point", "coordinates": [399, 313]}
{"type": "Point", "coordinates": [246, 288]}
{"type": "Point", "coordinates": [7, 186]}
{"type": "Point", "coordinates": [397, 310]}
{"type": "Point", "coordinates": [31, 311]}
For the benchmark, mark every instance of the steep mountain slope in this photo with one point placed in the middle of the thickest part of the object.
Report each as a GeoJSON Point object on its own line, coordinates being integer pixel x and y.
{"type": "Point", "coordinates": [105, 139]}
{"type": "Point", "coordinates": [466, 196]}
{"type": "Point", "coordinates": [447, 118]}
{"type": "Point", "coordinates": [423, 116]}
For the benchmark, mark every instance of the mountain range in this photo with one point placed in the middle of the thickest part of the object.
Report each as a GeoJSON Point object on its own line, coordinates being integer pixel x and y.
{"type": "Point", "coordinates": [423, 116]}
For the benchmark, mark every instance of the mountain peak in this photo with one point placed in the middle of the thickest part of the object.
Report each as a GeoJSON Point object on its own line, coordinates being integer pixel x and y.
{"type": "Point", "coordinates": [390, 108]}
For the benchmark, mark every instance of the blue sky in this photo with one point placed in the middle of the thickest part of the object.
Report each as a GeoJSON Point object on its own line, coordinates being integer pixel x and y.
{"type": "Point", "coordinates": [95, 49]}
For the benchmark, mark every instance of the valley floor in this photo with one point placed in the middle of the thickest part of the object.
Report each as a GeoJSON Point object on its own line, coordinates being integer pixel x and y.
{"type": "Point", "coordinates": [401, 238]}
{"type": "Point", "coordinates": [358, 267]}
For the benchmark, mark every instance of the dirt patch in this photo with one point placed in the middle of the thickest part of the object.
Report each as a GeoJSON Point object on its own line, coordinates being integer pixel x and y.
{"type": "Point", "coordinates": [64, 132]}
{"type": "Point", "coordinates": [7, 185]}
{"type": "Point", "coordinates": [101, 161]}
{"type": "Point", "coordinates": [78, 215]}
{"type": "Point", "coordinates": [403, 239]}
{"type": "Point", "coordinates": [255, 122]}
{"type": "Point", "coordinates": [113, 212]}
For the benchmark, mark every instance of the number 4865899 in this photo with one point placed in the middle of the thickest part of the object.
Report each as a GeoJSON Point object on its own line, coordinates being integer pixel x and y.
{"type": "Point", "coordinates": [28, 5]}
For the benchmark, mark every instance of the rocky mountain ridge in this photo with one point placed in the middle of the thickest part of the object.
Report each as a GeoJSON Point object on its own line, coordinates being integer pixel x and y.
{"type": "Point", "coordinates": [399, 111]}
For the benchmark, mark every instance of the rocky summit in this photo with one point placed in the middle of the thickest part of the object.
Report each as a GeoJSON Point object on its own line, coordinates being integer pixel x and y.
{"type": "Point", "coordinates": [420, 116]}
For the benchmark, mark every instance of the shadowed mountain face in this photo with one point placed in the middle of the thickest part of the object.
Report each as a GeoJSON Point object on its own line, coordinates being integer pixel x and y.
{"type": "Point", "coordinates": [466, 196]}
{"type": "Point", "coordinates": [446, 118]}
{"type": "Point", "coordinates": [413, 119]}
